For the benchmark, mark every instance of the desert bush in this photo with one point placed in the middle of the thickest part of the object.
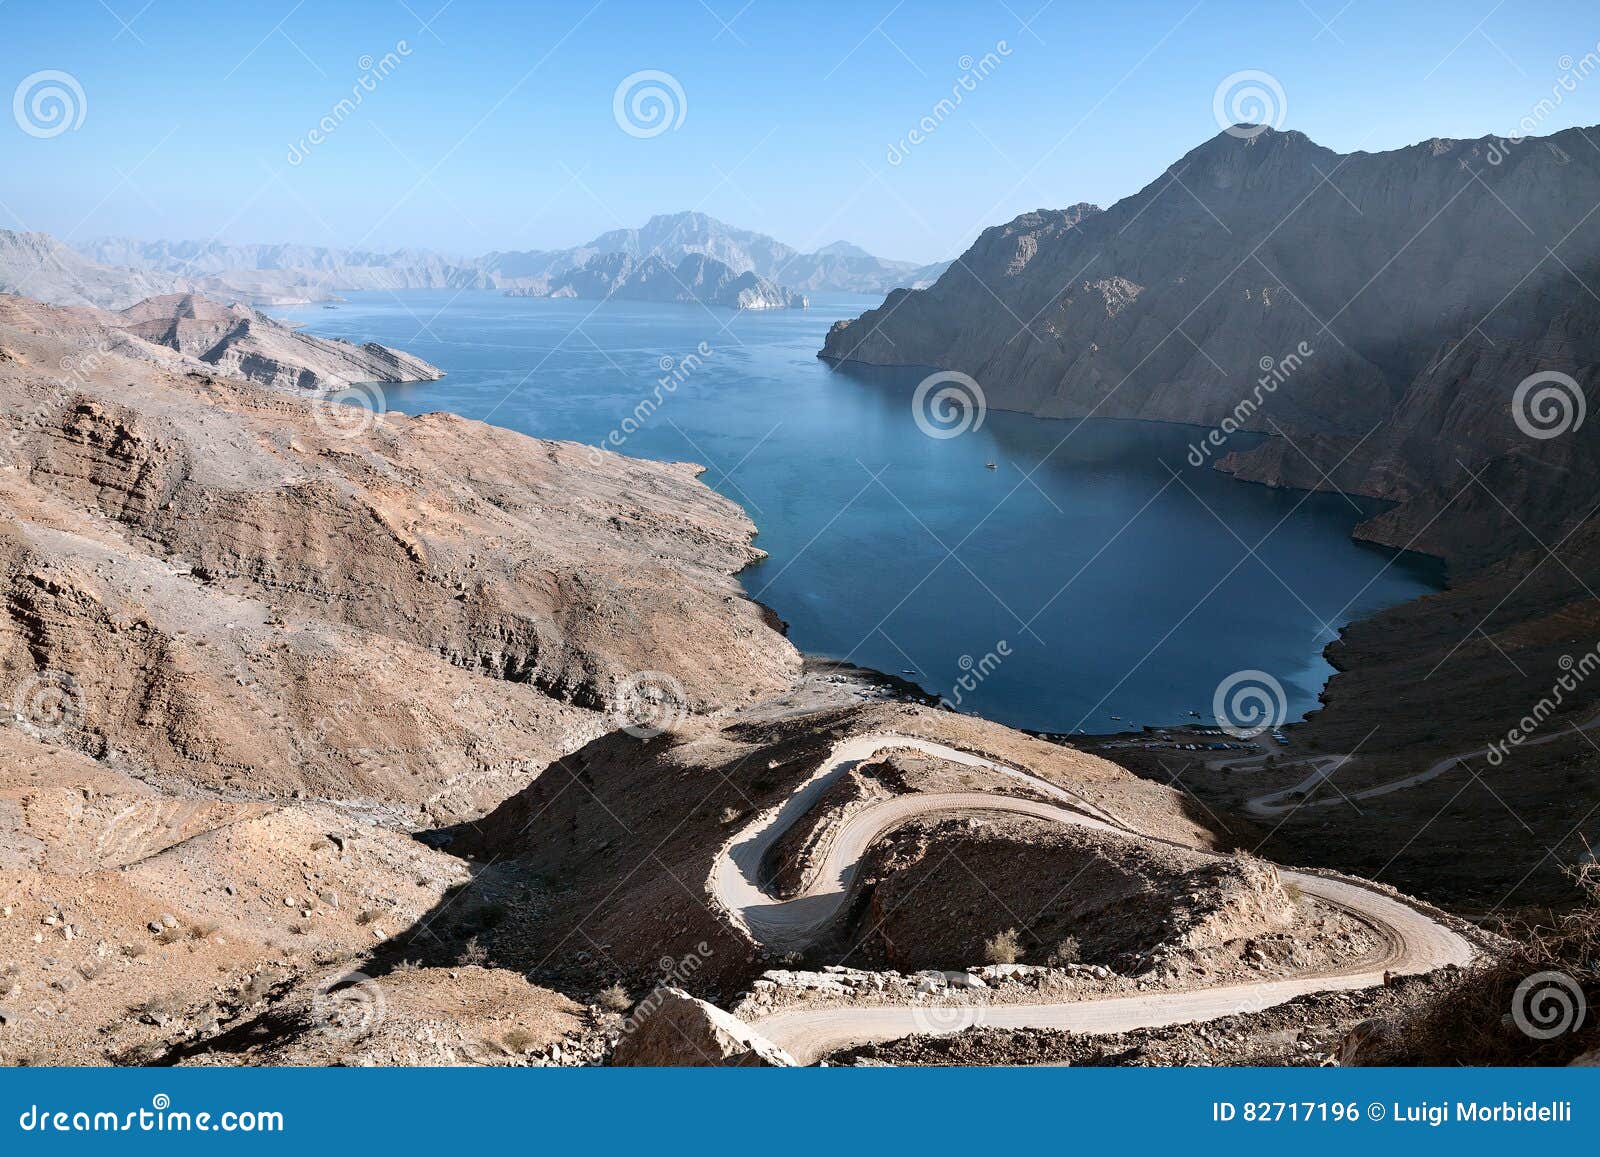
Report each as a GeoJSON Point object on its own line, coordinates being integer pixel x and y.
{"type": "Point", "coordinates": [614, 997]}
{"type": "Point", "coordinates": [474, 952]}
{"type": "Point", "coordinates": [1003, 947]}
{"type": "Point", "coordinates": [519, 1041]}
{"type": "Point", "coordinates": [1068, 951]}
{"type": "Point", "coordinates": [169, 935]}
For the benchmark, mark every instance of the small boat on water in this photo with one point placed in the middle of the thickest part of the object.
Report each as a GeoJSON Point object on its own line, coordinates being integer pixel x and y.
{"type": "Point", "coordinates": [989, 466]}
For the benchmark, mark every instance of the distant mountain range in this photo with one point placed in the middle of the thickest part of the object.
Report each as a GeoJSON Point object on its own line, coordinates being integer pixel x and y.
{"type": "Point", "coordinates": [116, 271]}
{"type": "Point", "coordinates": [696, 278]}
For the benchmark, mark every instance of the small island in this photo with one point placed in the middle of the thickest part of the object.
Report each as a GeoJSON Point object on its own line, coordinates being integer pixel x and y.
{"type": "Point", "coordinates": [696, 278]}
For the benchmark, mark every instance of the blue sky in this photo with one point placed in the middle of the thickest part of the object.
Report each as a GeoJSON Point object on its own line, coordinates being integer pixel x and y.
{"type": "Point", "coordinates": [496, 128]}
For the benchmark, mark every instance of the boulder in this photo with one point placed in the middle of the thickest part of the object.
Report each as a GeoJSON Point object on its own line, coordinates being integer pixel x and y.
{"type": "Point", "coordinates": [672, 1028]}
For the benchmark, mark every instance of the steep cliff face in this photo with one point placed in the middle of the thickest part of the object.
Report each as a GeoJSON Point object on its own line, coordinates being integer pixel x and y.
{"type": "Point", "coordinates": [1395, 300]}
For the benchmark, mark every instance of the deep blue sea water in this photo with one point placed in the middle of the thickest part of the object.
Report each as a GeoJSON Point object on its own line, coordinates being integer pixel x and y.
{"type": "Point", "coordinates": [1117, 588]}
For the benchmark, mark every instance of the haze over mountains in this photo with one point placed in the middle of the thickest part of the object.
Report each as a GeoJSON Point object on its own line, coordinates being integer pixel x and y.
{"type": "Point", "coordinates": [115, 272]}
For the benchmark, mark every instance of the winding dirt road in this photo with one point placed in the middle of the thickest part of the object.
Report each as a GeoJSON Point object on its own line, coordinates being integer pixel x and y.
{"type": "Point", "coordinates": [1416, 942]}
{"type": "Point", "coordinates": [1278, 802]}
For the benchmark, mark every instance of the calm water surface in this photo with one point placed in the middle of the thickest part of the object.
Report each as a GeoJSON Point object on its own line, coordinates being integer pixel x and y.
{"type": "Point", "coordinates": [1120, 579]}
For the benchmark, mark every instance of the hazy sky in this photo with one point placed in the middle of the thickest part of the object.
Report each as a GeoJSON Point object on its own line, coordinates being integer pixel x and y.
{"type": "Point", "coordinates": [495, 127]}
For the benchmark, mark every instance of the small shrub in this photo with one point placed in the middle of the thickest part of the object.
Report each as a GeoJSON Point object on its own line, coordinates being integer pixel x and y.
{"type": "Point", "coordinates": [1068, 951]}
{"type": "Point", "coordinates": [519, 1041]}
{"type": "Point", "coordinates": [1003, 947]}
{"type": "Point", "coordinates": [614, 997]}
{"type": "Point", "coordinates": [169, 935]}
{"type": "Point", "coordinates": [369, 916]}
{"type": "Point", "coordinates": [204, 930]}
{"type": "Point", "coordinates": [474, 953]}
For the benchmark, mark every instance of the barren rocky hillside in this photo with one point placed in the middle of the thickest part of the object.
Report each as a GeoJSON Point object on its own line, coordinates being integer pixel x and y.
{"type": "Point", "coordinates": [246, 649]}
{"type": "Point", "coordinates": [234, 340]}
